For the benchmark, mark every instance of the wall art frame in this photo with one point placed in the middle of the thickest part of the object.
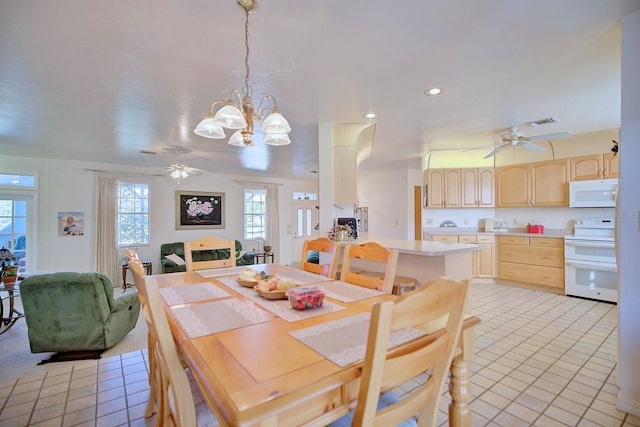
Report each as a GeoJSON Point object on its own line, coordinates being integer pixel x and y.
{"type": "Point", "coordinates": [199, 210]}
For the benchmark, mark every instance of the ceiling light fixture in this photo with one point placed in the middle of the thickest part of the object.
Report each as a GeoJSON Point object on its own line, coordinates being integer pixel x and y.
{"type": "Point", "coordinates": [434, 91]}
{"type": "Point", "coordinates": [371, 116]}
{"type": "Point", "coordinates": [238, 113]}
{"type": "Point", "coordinates": [179, 171]}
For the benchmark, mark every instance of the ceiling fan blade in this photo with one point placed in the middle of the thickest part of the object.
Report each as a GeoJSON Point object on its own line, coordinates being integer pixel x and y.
{"type": "Point", "coordinates": [533, 147]}
{"type": "Point", "coordinates": [549, 136]}
{"type": "Point", "coordinates": [493, 153]}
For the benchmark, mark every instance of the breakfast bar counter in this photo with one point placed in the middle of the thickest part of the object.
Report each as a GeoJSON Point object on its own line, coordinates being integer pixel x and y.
{"type": "Point", "coordinates": [425, 260]}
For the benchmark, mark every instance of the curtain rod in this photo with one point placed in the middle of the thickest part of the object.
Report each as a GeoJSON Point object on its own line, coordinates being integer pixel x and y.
{"type": "Point", "coordinates": [256, 182]}
{"type": "Point", "coordinates": [122, 172]}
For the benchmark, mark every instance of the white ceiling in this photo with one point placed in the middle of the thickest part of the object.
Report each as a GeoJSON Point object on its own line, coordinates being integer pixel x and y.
{"type": "Point", "coordinates": [102, 80]}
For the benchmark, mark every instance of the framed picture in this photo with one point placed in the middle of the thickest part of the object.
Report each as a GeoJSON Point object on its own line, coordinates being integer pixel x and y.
{"type": "Point", "coordinates": [70, 224]}
{"type": "Point", "coordinates": [199, 209]}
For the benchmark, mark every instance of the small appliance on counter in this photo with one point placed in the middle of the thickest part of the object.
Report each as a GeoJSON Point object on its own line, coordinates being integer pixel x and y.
{"type": "Point", "coordinates": [495, 224]}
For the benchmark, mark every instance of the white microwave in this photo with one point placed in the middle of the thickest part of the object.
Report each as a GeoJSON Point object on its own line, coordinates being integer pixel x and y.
{"type": "Point", "coordinates": [597, 193]}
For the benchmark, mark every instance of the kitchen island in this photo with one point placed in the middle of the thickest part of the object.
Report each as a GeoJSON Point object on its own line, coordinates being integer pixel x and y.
{"type": "Point", "coordinates": [423, 260]}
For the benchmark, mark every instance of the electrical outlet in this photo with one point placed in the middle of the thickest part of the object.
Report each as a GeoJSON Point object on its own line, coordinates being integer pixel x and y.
{"type": "Point", "coordinates": [466, 221]}
{"type": "Point", "coordinates": [429, 221]}
{"type": "Point", "coordinates": [515, 221]}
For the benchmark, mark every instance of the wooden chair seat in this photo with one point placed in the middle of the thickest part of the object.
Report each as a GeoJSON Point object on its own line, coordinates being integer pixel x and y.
{"type": "Point", "coordinates": [401, 284]}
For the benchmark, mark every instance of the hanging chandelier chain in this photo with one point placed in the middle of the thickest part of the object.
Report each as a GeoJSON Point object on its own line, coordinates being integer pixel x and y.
{"type": "Point", "coordinates": [246, 56]}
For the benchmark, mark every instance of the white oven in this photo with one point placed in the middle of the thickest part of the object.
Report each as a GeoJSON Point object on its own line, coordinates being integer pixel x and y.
{"type": "Point", "coordinates": [590, 260]}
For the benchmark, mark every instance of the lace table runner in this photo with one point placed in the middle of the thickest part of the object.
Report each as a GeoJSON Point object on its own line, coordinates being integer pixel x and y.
{"type": "Point", "coordinates": [218, 316]}
{"type": "Point", "coordinates": [192, 293]}
{"type": "Point", "coordinates": [344, 341]}
{"type": "Point", "coordinates": [281, 308]}
{"type": "Point", "coordinates": [346, 292]}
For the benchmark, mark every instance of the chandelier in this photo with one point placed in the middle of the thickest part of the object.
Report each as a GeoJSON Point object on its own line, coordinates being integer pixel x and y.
{"type": "Point", "coordinates": [238, 113]}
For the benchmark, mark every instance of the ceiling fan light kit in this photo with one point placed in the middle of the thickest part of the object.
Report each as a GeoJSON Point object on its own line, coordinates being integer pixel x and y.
{"type": "Point", "coordinates": [238, 113]}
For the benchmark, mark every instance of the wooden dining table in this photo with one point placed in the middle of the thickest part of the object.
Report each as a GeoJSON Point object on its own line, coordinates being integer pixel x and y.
{"type": "Point", "coordinates": [250, 359]}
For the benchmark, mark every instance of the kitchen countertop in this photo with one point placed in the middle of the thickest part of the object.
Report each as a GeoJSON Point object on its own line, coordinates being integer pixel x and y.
{"type": "Point", "coordinates": [548, 232]}
{"type": "Point", "coordinates": [417, 247]}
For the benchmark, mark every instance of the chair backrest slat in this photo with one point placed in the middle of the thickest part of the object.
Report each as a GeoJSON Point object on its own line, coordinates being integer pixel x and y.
{"type": "Point", "coordinates": [209, 244]}
{"type": "Point", "coordinates": [372, 252]}
{"type": "Point", "coordinates": [385, 370]}
{"type": "Point", "coordinates": [320, 245]}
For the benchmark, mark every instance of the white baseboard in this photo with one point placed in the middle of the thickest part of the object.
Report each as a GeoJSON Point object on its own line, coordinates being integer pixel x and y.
{"type": "Point", "coordinates": [629, 406]}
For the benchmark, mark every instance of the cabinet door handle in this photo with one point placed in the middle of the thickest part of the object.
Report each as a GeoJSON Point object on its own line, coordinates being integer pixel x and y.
{"type": "Point", "coordinates": [547, 257]}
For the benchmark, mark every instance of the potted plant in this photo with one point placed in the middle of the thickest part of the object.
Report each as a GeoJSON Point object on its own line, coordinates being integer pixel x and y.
{"type": "Point", "coordinates": [10, 274]}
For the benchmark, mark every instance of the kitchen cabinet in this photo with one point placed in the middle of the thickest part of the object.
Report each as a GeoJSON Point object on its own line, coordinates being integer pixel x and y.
{"type": "Point", "coordinates": [455, 188]}
{"type": "Point", "coordinates": [477, 188]}
{"type": "Point", "coordinates": [533, 184]}
{"type": "Point", "coordinates": [595, 166]}
{"type": "Point", "coordinates": [532, 260]}
{"type": "Point", "coordinates": [443, 188]}
{"type": "Point", "coordinates": [483, 264]}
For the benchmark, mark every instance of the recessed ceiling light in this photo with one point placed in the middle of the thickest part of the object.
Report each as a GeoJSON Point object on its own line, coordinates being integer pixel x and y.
{"type": "Point", "coordinates": [433, 91]}
{"type": "Point", "coordinates": [371, 116]}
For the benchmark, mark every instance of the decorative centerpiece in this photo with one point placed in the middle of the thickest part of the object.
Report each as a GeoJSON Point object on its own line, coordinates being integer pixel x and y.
{"type": "Point", "coordinates": [341, 233]}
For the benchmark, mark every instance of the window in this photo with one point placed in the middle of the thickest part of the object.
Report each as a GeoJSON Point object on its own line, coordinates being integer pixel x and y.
{"type": "Point", "coordinates": [133, 214]}
{"type": "Point", "coordinates": [255, 214]}
{"type": "Point", "coordinates": [13, 227]}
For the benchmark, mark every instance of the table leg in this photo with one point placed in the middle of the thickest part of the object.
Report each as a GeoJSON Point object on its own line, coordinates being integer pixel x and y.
{"type": "Point", "coordinates": [459, 382]}
{"type": "Point", "coordinates": [125, 267]}
{"type": "Point", "coordinates": [12, 314]}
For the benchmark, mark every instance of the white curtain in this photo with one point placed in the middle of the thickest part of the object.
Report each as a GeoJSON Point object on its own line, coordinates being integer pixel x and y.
{"type": "Point", "coordinates": [273, 219]}
{"type": "Point", "coordinates": [107, 258]}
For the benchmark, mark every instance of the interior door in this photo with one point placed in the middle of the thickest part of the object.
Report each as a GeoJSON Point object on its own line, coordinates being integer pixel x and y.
{"type": "Point", "coordinates": [14, 216]}
{"type": "Point", "coordinates": [305, 223]}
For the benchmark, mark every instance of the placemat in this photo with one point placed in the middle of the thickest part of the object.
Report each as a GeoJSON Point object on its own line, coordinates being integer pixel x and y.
{"type": "Point", "coordinates": [192, 293]}
{"type": "Point", "coordinates": [303, 277]}
{"type": "Point", "coordinates": [344, 341]}
{"type": "Point", "coordinates": [218, 316]}
{"type": "Point", "coordinates": [225, 271]}
{"type": "Point", "coordinates": [281, 308]}
{"type": "Point", "coordinates": [346, 292]}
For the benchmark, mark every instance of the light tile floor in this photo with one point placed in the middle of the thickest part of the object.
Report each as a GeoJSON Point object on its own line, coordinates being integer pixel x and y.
{"type": "Point", "coordinates": [541, 359]}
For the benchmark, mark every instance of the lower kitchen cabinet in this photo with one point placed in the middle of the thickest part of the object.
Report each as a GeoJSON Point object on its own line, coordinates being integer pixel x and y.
{"type": "Point", "coordinates": [532, 260]}
{"type": "Point", "coordinates": [484, 264]}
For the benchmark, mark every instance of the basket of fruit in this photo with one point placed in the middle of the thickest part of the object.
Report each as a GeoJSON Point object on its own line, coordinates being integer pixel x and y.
{"type": "Point", "coordinates": [274, 288]}
{"type": "Point", "coordinates": [249, 278]}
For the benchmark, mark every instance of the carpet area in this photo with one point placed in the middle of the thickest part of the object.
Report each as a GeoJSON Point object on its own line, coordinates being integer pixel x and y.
{"type": "Point", "coordinates": [16, 357]}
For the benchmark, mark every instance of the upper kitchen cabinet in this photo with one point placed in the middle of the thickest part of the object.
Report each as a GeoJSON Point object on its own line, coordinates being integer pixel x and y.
{"type": "Point", "coordinates": [443, 188]}
{"type": "Point", "coordinates": [595, 166]}
{"type": "Point", "coordinates": [534, 184]}
{"type": "Point", "coordinates": [477, 188]}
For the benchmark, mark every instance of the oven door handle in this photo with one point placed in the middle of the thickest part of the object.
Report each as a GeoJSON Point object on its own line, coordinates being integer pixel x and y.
{"type": "Point", "coordinates": [593, 265]}
{"type": "Point", "coordinates": [590, 244]}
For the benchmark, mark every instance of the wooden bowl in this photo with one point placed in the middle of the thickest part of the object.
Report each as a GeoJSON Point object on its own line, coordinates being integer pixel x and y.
{"type": "Point", "coordinates": [247, 283]}
{"type": "Point", "coordinates": [271, 294]}
{"type": "Point", "coordinates": [267, 248]}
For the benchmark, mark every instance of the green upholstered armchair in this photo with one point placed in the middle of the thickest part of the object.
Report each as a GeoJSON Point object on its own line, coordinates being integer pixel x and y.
{"type": "Point", "coordinates": [76, 311]}
{"type": "Point", "coordinates": [177, 248]}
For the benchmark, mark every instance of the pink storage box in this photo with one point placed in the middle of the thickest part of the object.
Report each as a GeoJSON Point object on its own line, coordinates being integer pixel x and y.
{"type": "Point", "coordinates": [304, 298]}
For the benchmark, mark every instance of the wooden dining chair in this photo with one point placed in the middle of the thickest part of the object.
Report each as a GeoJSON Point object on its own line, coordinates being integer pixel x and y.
{"type": "Point", "coordinates": [323, 246]}
{"type": "Point", "coordinates": [440, 300]}
{"type": "Point", "coordinates": [138, 277]}
{"type": "Point", "coordinates": [180, 402]}
{"type": "Point", "coordinates": [207, 245]}
{"type": "Point", "coordinates": [371, 252]}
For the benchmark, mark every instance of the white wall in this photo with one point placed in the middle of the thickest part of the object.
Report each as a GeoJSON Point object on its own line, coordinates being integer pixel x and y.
{"type": "Point", "coordinates": [384, 192]}
{"type": "Point", "coordinates": [65, 186]}
{"type": "Point", "coordinates": [628, 221]}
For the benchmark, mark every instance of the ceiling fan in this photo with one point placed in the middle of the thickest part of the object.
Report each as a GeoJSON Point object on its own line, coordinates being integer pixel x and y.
{"type": "Point", "coordinates": [178, 170]}
{"type": "Point", "coordinates": [518, 139]}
